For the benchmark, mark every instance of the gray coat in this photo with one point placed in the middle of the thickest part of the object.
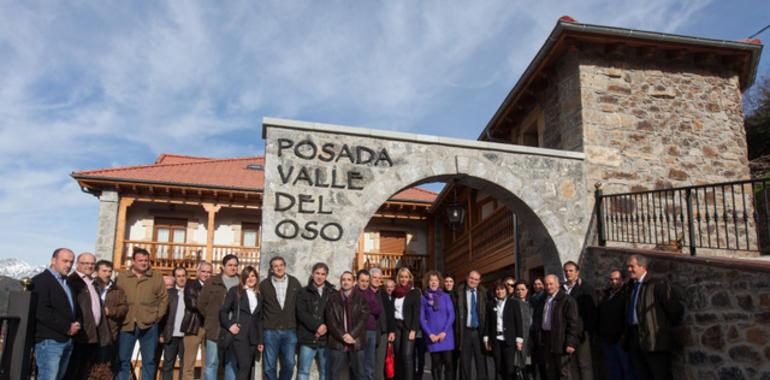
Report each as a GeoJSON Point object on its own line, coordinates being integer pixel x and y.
{"type": "Point", "coordinates": [526, 321]}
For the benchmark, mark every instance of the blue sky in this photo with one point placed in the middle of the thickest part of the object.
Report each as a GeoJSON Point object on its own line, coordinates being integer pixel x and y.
{"type": "Point", "coordinates": [98, 84]}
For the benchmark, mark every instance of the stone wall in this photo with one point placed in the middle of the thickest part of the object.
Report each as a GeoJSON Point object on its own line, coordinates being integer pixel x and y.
{"type": "Point", "coordinates": [726, 329]}
{"type": "Point", "coordinates": [654, 122]}
{"type": "Point", "coordinates": [560, 104]}
{"type": "Point", "coordinates": [106, 225]}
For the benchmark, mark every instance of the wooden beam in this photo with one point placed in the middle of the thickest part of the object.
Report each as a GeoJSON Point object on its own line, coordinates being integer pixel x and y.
{"type": "Point", "coordinates": [645, 51]}
{"type": "Point", "coordinates": [212, 210]}
{"type": "Point", "coordinates": [431, 243]}
{"type": "Point", "coordinates": [469, 225]}
{"type": "Point", "coordinates": [120, 233]}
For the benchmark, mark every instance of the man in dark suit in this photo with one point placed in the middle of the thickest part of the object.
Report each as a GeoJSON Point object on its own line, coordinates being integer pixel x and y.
{"type": "Point", "coordinates": [583, 293]}
{"type": "Point", "coordinates": [610, 326]}
{"type": "Point", "coordinates": [56, 318]}
{"type": "Point", "coordinates": [386, 322]}
{"type": "Point", "coordinates": [95, 332]}
{"type": "Point", "coordinates": [192, 324]}
{"type": "Point", "coordinates": [172, 335]}
{"type": "Point", "coordinates": [558, 329]}
{"type": "Point", "coordinates": [653, 307]}
{"type": "Point", "coordinates": [470, 325]}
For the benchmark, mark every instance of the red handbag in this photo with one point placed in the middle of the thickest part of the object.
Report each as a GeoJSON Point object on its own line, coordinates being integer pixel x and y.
{"type": "Point", "coordinates": [390, 363]}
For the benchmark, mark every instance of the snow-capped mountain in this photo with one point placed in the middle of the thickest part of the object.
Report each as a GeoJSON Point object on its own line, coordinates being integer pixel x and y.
{"type": "Point", "coordinates": [18, 269]}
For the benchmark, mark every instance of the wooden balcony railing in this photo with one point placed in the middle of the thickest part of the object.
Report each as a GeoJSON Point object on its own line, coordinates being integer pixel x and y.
{"type": "Point", "coordinates": [166, 256]}
{"type": "Point", "coordinates": [246, 255]}
{"type": "Point", "coordinates": [390, 262]}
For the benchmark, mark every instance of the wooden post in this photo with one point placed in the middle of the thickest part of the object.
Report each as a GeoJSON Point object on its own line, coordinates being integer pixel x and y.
{"type": "Point", "coordinates": [212, 210]}
{"type": "Point", "coordinates": [469, 215]}
{"type": "Point", "coordinates": [359, 264]}
{"type": "Point", "coordinates": [431, 246]}
{"type": "Point", "coordinates": [123, 205]}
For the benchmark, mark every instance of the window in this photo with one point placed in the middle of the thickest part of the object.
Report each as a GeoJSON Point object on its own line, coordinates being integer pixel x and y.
{"type": "Point", "coordinates": [167, 233]}
{"type": "Point", "coordinates": [530, 131]}
{"type": "Point", "coordinates": [250, 234]}
{"type": "Point", "coordinates": [393, 242]}
{"type": "Point", "coordinates": [530, 136]}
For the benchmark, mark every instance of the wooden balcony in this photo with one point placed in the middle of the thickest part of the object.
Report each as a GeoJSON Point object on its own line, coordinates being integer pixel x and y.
{"type": "Point", "coordinates": [390, 262]}
{"type": "Point", "coordinates": [246, 255]}
{"type": "Point", "coordinates": [166, 256]}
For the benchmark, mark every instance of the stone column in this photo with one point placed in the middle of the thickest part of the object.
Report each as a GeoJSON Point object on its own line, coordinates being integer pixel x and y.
{"type": "Point", "coordinates": [106, 225]}
{"type": "Point", "coordinates": [120, 231]}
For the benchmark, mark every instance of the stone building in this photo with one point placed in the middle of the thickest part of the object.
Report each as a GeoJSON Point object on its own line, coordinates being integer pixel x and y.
{"type": "Point", "coordinates": [649, 110]}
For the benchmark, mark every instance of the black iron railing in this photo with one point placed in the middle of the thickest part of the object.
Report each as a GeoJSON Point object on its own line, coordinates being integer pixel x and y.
{"type": "Point", "coordinates": [729, 215]}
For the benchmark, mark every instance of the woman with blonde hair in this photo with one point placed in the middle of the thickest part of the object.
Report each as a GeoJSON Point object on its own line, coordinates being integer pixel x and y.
{"type": "Point", "coordinates": [241, 317]}
{"type": "Point", "coordinates": [406, 302]}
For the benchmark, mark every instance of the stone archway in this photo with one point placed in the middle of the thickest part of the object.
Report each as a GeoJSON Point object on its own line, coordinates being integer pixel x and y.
{"type": "Point", "coordinates": [324, 182]}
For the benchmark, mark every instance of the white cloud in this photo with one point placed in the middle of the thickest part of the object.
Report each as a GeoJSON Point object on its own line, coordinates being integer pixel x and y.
{"type": "Point", "coordinates": [90, 84]}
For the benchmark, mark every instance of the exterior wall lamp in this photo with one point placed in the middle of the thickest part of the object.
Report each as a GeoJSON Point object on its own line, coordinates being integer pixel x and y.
{"type": "Point", "coordinates": [455, 212]}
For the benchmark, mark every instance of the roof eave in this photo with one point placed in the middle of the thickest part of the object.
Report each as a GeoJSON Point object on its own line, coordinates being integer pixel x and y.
{"type": "Point", "coordinates": [79, 177]}
{"type": "Point", "coordinates": [562, 26]}
{"type": "Point", "coordinates": [754, 49]}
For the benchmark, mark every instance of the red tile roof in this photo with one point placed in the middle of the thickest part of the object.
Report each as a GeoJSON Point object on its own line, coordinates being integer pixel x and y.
{"type": "Point", "coordinates": [225, 173]}
{"type": "Point", "coordinates": [166, 158]}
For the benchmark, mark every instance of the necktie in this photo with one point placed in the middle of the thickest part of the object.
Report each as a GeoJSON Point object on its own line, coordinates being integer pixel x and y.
{"type": "Point", "coordinates": [632, 305]}
{"type": "Point", "coordinates": [474, 312]}
{"type": "Point", "coordinates": [68, 292]}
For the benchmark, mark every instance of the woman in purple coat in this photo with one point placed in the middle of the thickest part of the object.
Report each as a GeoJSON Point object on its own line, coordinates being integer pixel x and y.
{"type": "Point", "coordinates": [437, 317]}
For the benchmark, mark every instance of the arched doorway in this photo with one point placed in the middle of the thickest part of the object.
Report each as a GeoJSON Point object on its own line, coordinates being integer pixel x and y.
{"type": "Point", "coordinates": [495, 226]}
{"type": "Point", "coordinates": [323, 183]}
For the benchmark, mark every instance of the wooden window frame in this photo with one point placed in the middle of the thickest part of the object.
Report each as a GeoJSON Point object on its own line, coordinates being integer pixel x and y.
{"type": "Point", "coordinates": [250, 226]}
{"type": "Point", "coordinates": [172, 224]}
{"type": "Point", "coordinates": [394, 232]}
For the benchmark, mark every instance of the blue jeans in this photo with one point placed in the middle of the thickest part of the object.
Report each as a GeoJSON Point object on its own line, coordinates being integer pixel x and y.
{"type": "Point", "coordinates": [212, 362]}
{"type": "Point", "coordinates": [283, 343]}
{"type": "Point", "coordinates": [52, 358]}
{"type": "Point", "coordinates": [306, 356]}
{"type": "Point", "coordinates": [617, 362]}
{"type": "Point", "coordinates": [370, 354]}
{"type": "Point", "coordinates": [148, 342]}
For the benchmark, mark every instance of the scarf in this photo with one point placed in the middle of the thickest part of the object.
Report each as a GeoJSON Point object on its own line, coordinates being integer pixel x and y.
{"type": "Point", "coordinates": [401, 291]}
{"type": "Point", "coordinates": [432, 297]}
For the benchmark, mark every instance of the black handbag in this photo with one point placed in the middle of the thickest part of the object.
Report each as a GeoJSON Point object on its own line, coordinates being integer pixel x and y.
{"type": "Point", "coordinates": [225, 337]}
{"type": "Point", "coordinates": [520, 372]}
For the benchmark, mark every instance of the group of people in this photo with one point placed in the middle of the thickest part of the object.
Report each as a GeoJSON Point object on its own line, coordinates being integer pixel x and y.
{"type": "Point", "coordinates": [87, 325]}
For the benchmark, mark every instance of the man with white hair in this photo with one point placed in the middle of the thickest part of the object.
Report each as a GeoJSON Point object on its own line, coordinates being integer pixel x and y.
{"type": "Point", "coordinates": [653, 308]}
{"type": "Point", "coordinates": [558, 329]}
{"type": "Point", "coordinates": [95, 332]}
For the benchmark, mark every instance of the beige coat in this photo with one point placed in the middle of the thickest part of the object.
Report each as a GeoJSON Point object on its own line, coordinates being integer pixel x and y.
{"type": "Point", "coordinates": [147, 298]}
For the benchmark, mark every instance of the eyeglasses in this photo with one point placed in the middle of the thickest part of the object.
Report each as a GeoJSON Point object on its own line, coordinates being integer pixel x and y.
{"type": "Point", "coordinates": [509, 284]}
